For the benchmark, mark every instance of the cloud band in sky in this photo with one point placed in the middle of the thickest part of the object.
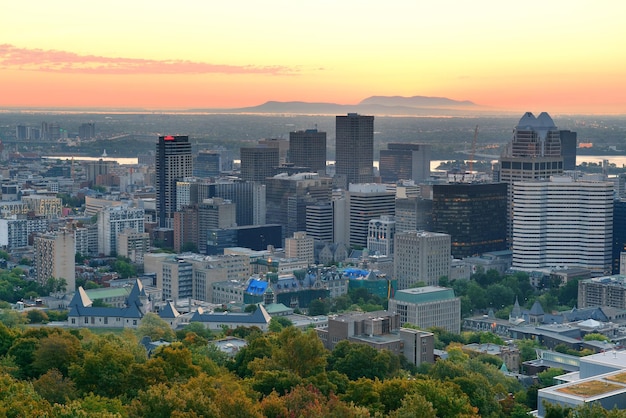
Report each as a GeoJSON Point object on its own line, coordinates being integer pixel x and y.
{"type": "Point", "coordinates": [55, 61]}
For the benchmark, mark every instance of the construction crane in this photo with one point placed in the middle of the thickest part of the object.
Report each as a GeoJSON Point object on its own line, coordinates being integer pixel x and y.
{"type": "Point", "coordinates": [471, 158]}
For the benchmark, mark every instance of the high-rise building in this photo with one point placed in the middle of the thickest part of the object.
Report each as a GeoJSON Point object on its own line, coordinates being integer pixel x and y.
{"type": "Point", "coordinates": [413, 214]}
{"type": "Point", "coordinates": [87, 130]}
{"type": "Point", "coordinates": [133, 245]}
{"type": "Point", "coordinates": [214, 213]}
{"type": "Point", "coordinates": [534, 153]}
{"type": "Point", "coordinates": [112, 221]}
{"type": "Point", "coordinates": [54, 257]}
{"type": "Point", "coordinates": [354, 149]}
{"type": "Point", "coordinates": [308, 149]}
{"type": "Point", "coordinates": [563, 222]}
{"type": "Point", "coordinates": [248, 197]}
{"type": "Point", "coordinates": [288, 197]}
{"type": "Point", "coordinates": [173, 163]}
{"type": "Point", "coordinates": [281, 144]}
{"type": "Point", "coordinates": [380, 235]}
{"type": "Point", "coordinates": [364, 203]}
{"type": "Point", "coordinates": [207, 164]}
{"type": "Point", "coordinates": [300, 246]}
{"type": "Point", "coordinates": [473, 214]}
{"type": "Point", "coordinates": [619, 233]}
{"type": "Point", "coordinates": [319, 222]}
{"type": "Point", "coordinates": [258, 163]}
{"type": "Point", "coordinates": [568, 149]}
{"type": "Point", "coordinates": [186, 229]}
{"type": "Point", "coordinates": [421, 256]}
{"type": "Point", "coordinates": [405, 161]}
{"type": "Point", "coordinates": [97, 168]}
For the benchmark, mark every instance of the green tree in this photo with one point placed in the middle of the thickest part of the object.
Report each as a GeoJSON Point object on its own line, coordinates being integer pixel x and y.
{"type": "Point", "coordinates": [7, 336]}
{"type": "Point", "coordinates": [362, 392]}
{"type": "Point", "coordinates": [361, 360]}
{"type": "Point", "coordinates": [36, 316]}
{"type": "Point", "coordinates": [155, 327]}
{"type": "Point", "coordinates": [23, 353]}
{"type": "Point", "coordinates": [447, 399]}
{"type": "Point", "coordinates": [318, 307]}
{"type": "Point", "coordinates": [301, 352]}
{"type": "Point", "coordinates": [278, 323]}
{"type": "Point", "coordinates": [11, 318]}
{"type": "Point", "coordinates": [56, 351]}
{"type": "Point", "coordinates": [546, 378]}
{"type": "Point", "coordinates": [106, 366]}
{"type": "Point", "coordinates": [595, 336]}
{"type": "Point", "coordinates": [124, 268]}
{"type": "Point", "coordinates": [259, 347]}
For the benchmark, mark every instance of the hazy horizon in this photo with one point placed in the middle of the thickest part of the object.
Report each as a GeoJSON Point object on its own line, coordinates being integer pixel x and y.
{"type": "Point", "coordinates": [513, 57]}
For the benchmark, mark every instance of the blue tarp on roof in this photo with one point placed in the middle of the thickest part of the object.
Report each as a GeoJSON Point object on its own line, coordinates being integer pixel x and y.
{"type": "Point", "coordinates": [256, 287]}
{"type": "Point", "coordinates": [353, 273]}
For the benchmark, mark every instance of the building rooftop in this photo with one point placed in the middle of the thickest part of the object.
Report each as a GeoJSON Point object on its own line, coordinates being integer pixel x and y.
{"type": "Point", "coordinates": [108, 292]}
{"type": "Point", "coordinates": [424, 294]}
{"type": "Point", "coordinates": [614, 280]}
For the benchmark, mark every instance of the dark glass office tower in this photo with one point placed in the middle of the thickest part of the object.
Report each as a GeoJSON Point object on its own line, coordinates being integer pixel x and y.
{"type": "Point", "coordinates": [473, 214]}
{"type": "Point", "coordinates": [354, 149]}
{"type": "Point", "coordinates": [308, 149]}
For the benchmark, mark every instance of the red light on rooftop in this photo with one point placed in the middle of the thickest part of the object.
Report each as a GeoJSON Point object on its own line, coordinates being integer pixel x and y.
{"type": "Point", "coordinates": [168, 138]}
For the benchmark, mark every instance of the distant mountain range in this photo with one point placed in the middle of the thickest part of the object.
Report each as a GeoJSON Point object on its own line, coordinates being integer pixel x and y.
{"type": "Point", "coordinates": [376, 105]}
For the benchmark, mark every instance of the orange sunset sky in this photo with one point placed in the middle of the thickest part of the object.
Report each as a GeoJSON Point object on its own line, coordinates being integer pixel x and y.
{"type": "Point", "coordinates": [557, 56]}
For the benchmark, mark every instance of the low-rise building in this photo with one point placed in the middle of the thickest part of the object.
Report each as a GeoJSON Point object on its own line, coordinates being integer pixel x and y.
{"type": "Point", "coordinates": [217, 321]}
{"type": "Point", "coordinates": [426, 307]}
{"type": "Point", "coordinates": [380, 330]}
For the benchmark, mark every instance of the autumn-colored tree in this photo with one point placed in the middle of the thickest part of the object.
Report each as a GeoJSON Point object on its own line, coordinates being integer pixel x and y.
{"type": "Point", "coordinates": [55, 388]}
{"type": "Point", "coordinates": [308, 402]}
{"type": "Point", "coordinates": [199, 396]}
{"type": "Point", "coordinates": [301, 352]}
{"type": "Point", "coordinates": [176, 362]}
{"type": "Point", "coordinates": [414, 405]}
{"type": "Point", "coordinates": [19, 399]}
{"type": "Point", "coordinates": [105, 367]}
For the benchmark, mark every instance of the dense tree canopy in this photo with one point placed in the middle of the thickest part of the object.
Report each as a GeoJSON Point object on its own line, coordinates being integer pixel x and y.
{"type": "Point", "coordinates": [59, 373]}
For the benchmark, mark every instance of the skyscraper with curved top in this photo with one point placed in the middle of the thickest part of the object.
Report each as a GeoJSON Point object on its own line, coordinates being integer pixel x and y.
{"type": "Point", "coordinates": [533, 154]}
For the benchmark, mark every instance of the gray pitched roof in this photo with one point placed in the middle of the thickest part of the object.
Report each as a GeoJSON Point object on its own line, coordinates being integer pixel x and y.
{"type": "Point", "coordinates": [80, 298]}
{"type": "Point", "coordinates": [81, 306]}
{"type": "Point", "coordinates": [169, 311]}
{"type": "Point", "coordinates": [260, 316]}
{"type": "Point", "coordinates": [536, 309]}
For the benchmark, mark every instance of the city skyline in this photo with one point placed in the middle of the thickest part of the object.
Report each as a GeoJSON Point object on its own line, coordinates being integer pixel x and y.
{"type": "Point", "coordinates": [562, 57]}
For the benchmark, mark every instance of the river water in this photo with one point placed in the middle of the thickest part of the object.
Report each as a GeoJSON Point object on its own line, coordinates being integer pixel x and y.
{"type": "Point", "coordinates": [618, 160]}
